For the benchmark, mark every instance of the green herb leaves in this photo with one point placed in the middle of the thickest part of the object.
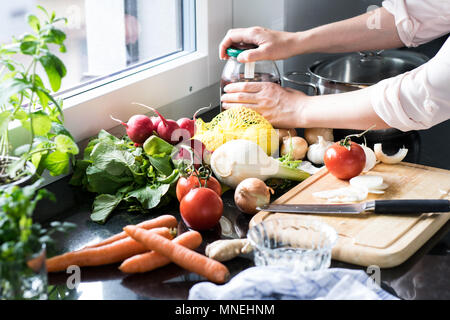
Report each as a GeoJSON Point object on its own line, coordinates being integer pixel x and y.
{"type": "Point", "coordinates": [120, 173]}
{"type": "Point", "coordinates": [19, 236]}
{"type": "Point", "coordinates": [25, 97]}
{"type": "Point", "coordinates": [54, 69]}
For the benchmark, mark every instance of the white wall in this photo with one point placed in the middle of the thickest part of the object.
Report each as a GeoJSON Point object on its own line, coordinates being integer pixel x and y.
{"type": "Point", "coordinates": [264, 13]}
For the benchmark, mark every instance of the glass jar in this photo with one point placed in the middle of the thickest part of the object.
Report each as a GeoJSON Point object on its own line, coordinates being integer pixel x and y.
{"type": "Point", "coordinates": [258, 71]}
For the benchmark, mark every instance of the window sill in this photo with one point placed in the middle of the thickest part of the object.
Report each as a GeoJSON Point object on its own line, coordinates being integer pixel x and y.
{"type": "Point", "coordinates": [89, 112]}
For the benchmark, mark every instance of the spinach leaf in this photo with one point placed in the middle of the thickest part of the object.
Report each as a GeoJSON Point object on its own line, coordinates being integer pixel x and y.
{"type": "Point", "coordinates": [155, 146]}
{"type": "Point", "coordinates": [108, 157]}
{"type": "Point", "coordinates": [103, 205]}
{"type": "Point", "coordinates": [100, 181]}
{"type": "Point", "coordinates": [149, 196]}
{"type": "Point", "coordinates": [162, 164]}
{"type": "Point", "coordinates": [79, 174]}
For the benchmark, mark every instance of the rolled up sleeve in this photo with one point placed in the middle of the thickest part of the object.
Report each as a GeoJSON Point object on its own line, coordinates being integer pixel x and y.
{"type": "Point", "coordinates": [419, 21]}
{"type": "Point", "coordinates": [417, 99]}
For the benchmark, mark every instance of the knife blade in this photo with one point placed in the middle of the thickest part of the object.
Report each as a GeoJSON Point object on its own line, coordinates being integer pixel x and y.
{"type": "Point", "coordinates": [401, 206]}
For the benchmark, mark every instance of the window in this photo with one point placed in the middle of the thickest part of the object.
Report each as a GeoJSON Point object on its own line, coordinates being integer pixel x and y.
{"type": "Point", "coordinates": [107, 39]}
{"type": "Point", "coordinates": [172, 65]}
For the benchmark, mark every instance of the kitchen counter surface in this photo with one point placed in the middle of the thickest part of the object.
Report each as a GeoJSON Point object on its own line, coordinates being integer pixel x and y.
{"type": "Point", "coordinates": [423, 276]}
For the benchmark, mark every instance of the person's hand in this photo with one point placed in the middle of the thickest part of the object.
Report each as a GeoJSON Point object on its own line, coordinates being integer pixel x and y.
{"type": "Point", "coordinates": [280, 106]}
{"type": "Point", "coordinates": [272, 45]}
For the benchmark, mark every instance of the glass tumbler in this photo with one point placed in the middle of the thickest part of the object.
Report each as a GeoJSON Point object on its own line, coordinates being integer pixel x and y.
{"type": "Point", "coordinates": [298, 243]}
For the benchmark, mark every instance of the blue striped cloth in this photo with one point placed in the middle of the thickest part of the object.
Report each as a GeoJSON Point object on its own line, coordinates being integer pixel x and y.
{"type": "Point", "coordinates": [271, 282]}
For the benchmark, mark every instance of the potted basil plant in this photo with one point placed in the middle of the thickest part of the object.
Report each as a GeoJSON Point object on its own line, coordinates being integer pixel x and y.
{"type": "Point", "coordinates": [27, 101]}
{"type": "Point", "coordinates": [23, 242]}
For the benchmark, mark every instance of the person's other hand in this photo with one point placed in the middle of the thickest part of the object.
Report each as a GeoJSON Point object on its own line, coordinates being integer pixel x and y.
{"type": "Point", "coordinates": [280, 106]}
{"type": "Point", "coordinates": [272, 45]}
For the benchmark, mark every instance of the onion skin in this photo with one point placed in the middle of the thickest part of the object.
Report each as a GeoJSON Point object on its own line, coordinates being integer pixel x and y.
{"type": "Point", "coordinates": [251, 193]}
{"type": "Point", "coordinates": [396, 158]}
{"type": "Point", "coordinates": [371, 158]}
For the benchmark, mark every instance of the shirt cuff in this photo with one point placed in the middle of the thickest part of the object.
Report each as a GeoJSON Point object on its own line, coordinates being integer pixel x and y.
{"type": "Point", "coordinates": [389, 108]}
{"type": "Point", "coordinates": [406, 26]}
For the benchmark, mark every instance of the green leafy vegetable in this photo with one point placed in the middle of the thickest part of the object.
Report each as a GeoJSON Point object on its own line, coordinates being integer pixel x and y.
{"type": "Point", "coordinates": [120, 173]}
{"type": "Point", "coordinates": [149, 196]}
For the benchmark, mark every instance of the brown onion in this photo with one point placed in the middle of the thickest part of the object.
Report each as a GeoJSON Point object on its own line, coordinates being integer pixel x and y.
{"type": "Point", "coordinates": [299, 148]}
{"type": "Point", "coordinates": [282, 133]}
{"type": "Point", "coordinates": [252, 193]}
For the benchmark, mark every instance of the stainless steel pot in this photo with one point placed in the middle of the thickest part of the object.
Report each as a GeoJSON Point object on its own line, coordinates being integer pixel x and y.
{"type": "Point", "coordinates": [357, 71]}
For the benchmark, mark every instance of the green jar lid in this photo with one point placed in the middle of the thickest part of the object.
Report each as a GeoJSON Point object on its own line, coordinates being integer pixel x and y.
{"type": "Point", "coordinates": [233, 52]}
{"type": "Point", "coordinates": [237, 48]}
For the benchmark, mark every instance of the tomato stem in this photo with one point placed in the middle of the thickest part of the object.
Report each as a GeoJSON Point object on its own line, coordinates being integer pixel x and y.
{"type": "Point", "coordinates": [346, 142]}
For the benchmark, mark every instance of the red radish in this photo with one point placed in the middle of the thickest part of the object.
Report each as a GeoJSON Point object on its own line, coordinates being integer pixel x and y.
{"type": "Point", "coordinates": [156, 121]}
{"type": "Point", "coordinates": [188, 124]}
{"type": "Point", "coordinates": [139, 128]}
{"type": "Point", "coordinates": [166, 127]}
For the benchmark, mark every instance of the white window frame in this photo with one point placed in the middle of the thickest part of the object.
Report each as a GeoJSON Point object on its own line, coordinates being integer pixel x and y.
{"type": "Point", "coordinates": [168, 81]}
{"type": "Point", "coordinates": [178, 84]}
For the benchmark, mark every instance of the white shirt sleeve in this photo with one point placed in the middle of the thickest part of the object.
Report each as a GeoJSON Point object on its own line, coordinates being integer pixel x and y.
{"type": "Point", "coordinates": [420, 98]}
{"type": "Point", "coordinates": [419, 21]}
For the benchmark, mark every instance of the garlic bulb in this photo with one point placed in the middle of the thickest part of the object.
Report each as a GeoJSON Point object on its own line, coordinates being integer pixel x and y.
{"type": "Point", "coordinates": [316, 152]}
{"type": "Point", "coordinates": [312, 134]}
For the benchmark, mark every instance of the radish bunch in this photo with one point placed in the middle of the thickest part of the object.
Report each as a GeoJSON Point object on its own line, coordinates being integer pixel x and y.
{"type": "Point", "coordinates": [140, 128]}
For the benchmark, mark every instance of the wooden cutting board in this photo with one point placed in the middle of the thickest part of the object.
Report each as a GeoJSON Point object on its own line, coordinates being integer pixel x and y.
{"type": "Point", "coordinates": [373, 239]}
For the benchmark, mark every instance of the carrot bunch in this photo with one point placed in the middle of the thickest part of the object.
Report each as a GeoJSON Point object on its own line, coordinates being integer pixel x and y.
{"type": "Point", "coordinates": [145, 247]}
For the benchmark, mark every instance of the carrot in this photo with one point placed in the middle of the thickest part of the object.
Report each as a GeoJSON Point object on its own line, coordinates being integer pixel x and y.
{"type": "Point", "coordinates": [152, 260]}
{"type": "Point", "coordinates": [159, 222]}
{"type": "Point", "coordinates": [190, 260]}
{"type": "Point", "coordinates": [107, 254]}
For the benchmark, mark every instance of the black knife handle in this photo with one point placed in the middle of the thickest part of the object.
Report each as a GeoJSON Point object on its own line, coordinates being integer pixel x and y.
{"type": "Point", "coordinates": [412, 206]}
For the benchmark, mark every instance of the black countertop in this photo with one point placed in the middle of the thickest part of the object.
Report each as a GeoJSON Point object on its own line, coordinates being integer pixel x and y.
{"type": "Point", "coordinates": [424, 276]}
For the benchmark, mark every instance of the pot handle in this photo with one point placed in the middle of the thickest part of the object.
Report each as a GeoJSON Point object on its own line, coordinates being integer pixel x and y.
{"type": "Point", "coordinates": [300, 83]}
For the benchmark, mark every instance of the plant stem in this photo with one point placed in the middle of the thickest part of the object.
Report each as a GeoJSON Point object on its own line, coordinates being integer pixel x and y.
{"type": "Point", "coordinates": [41, 150]}
{"type": "Point", "coordinates": [359, 135]}
{"type": "Point", "coordinates": [31, 103]}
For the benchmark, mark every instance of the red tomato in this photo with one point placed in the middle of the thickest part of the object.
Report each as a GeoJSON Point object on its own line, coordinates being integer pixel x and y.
{"type": "Point", "coordinates": [345, 162]}
{"type": "Point", "coordinates": [185, 185]}
{"type": "Point", "coordinates": [201, 209]}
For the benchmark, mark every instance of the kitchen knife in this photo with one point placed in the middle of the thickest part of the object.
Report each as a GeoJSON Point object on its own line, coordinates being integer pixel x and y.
{"type": "Point", "coordinates": [402, 206]}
